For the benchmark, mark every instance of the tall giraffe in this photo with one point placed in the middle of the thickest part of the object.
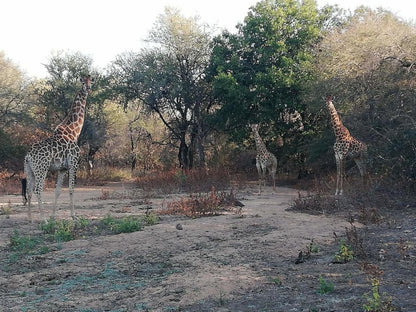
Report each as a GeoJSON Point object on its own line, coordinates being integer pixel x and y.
{"type": "Point", "coordinates": [346, 146]}
{"type": "Point", "coordinates": [264, 159]}
{"type": "Point", "coordinates": [60, 152]}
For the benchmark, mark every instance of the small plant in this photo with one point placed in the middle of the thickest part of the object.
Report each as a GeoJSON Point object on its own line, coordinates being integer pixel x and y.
{"type": "Point", "coordinates": [61, 230]}
{"type": "Point", "coordinates": [150, 219]}
{"type": "Point", "coordinates": [356, 242]}
{"type": "Point", "coordinates": [22, 243]}
{"type": "Point", "coordinates": [128, 224]}
{"type": "Point", "coordinates": [325, 286]}
{"type": "Point", "coordinates": [83, 222]}
{"type": "Point", "coordinates": [375, 301]}
{"type": "Point", "coordinates": [276, 281]}
{"type": "Point", "coordinates": [200, 205]}
{"type": "Point", "coordinates": [105, 194]}
{"type": "Point", "coordinates": [313, 248]}
{"type": "Point", "coordinates": [344, 254]}
{"type": "Point", "coordinates": [6, 210]}
{"type": "Point", "coordinates": [402, 248]}
{"type": "Point", "coordinates": [222, 300]}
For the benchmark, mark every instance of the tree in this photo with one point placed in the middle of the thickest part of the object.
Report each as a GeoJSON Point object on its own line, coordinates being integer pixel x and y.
{"type": "Point", "coordinates": [13, 105]}
{"type": "Point", "coordinates": [12, 92]}
{"type": "Point", "coordinates": [259, 73]}
{"type": "Point", "coordinates": [57, 93]}
{"type": "Point", "coordinates": [367, 63]}
{"type": "Point", "coordinates": [168, 78]}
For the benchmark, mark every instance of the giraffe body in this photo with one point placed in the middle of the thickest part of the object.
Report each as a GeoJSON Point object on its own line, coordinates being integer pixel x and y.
{"type": "Point", "coordinates": [58, 153]}
{"type": "Point", "coordinates": [346, 146]}
{"type": "Point", "coordinates": [264, 159]}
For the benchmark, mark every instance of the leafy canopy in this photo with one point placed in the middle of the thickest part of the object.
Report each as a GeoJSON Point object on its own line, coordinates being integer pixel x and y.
{"type": "Point", "coordinates": [260, 72]}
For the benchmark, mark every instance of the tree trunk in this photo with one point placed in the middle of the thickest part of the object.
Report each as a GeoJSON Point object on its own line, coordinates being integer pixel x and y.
{"type": "Point", "coordinates": [183, 155]}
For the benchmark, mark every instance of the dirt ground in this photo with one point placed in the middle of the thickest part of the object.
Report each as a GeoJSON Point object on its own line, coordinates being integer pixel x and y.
{"type": "Point", "coordinates": [246, 261]}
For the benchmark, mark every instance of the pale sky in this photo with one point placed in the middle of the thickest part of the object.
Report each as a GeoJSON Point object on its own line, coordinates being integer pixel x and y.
{"type": "Point", "coordinates": [31, 30]}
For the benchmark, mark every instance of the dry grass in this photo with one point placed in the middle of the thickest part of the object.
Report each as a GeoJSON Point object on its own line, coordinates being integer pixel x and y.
{"type": "Point", "coordinates": [201, 204]}
{"type": "Point", "coordinates": [191, 181]}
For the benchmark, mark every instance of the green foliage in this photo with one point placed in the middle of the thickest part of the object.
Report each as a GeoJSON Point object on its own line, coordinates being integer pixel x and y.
{"type": "Point", "coordinates": [13, 113]}
{"type": "Point", "coordinates": [313, 247]}
{"type": "Point", "coordinates": [259, 72]}
{"type": "Point", "coordinates": [150, 219]}
{"type": "Point", "coordinates": [344, 254]}
{"type": "Point", "coordinates": [169, 80]}
{"type": "Point", "coordinates": [64, 230]}
{"type": "Point", "coordinates": [325, 286]}
{"type": "Point", "coordinates": [61, 230]}
{"type": "Point", "coordinates": [373, 86]}
{"type": "Point", "coordinates": [129, 224]}
{"type": "Point", "coordinates": [57, 92]}
{"type": "Point", "coordinates": [23, 244]}
{"type": "Point", "coordinates": [377, 302]}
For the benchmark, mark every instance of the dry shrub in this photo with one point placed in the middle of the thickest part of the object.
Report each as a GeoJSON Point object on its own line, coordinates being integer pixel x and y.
{"type": "Point", "coordinates": [356, 241]}
{"type": "Point", "coordinates": [100, 175]}
{"type": "Point", "coordinates": [177, 180]}
{"type": "Point", "coordinates": [369, 204]}
{"type": "Point", "coordinates": [315, 203]}
{"type": "Point", "coordinates": [10, 183]}
{"type": "Point", "coordinates": [200, 205]}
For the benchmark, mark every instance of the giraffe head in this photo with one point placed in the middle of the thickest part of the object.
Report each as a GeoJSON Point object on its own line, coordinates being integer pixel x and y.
{"type": "Point", "coordinates": [329, 99]}
{"type": "Point", "coordinates": [254, 127]}
{"type": "Point", "coordinates": [87, 83]}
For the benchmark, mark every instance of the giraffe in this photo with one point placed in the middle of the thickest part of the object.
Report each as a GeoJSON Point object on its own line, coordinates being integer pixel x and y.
{"type": "Point", "coordinates": [264, 159]}
{"type": "Point", "coordinates": [58, 153]}
{"type": "Point", "coordinates": [346, 146]}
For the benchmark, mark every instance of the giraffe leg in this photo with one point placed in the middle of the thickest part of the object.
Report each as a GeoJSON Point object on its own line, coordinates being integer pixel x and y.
{"type": "Point", "coordinates": [273, 174]}
{"type": "Point", "coordinates": [263, 175]}
{"type": "Point", "coordinates": [341, 176]}
{"type": "Point", "coordinates": [29, 191]}
{"type": "Point", "coordinates": [38, 193]}
{"type": "Point", "coordinates": [59, 181]}
{"type": "Point", "coordinates": [71, 182]}
{"type": "Point", "coordinates": [338, 159]}
{"type": "Point", "coordinates": [362, 166]}
{"type": "Point", "coordinates": [39, 179]}
{"type": "Point", "coordinates": [29, 185]}
{"type": "Point", "coordinates": [259, 171]}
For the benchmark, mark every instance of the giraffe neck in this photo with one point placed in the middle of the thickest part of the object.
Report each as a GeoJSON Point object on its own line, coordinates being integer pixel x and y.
{"type": "Point", "coordinates": [260, 146]}
{"type": "Point", "coordinates": [70, 128]}
{"type": "Point", "coordinates": [339, 129]}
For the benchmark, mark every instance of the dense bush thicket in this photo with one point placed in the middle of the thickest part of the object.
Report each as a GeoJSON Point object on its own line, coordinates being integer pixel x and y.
{"type": "Point", "coordinates": [257, 74]}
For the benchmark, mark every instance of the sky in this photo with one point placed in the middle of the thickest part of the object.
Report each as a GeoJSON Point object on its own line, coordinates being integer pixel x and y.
{"type": "Point", "coordinates": [33, 30]}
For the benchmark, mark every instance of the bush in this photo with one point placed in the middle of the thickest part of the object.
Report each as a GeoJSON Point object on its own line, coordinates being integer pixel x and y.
{"type": "Point", "coordinates": [177, 180]}
{"type": "Point", "coordinates": [200, 205]}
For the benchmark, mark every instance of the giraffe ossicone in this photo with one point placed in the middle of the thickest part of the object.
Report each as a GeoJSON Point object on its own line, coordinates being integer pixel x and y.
{"type": "Point", "coordinates": [264, 159]}
{"type": "Point", "coordinates": [58, 153]}
{"type": "Point", "coordinates": [346, 146]}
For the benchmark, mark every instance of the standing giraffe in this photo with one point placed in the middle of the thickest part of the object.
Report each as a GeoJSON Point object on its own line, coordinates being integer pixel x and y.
{"type": "Point", "coordinates": [60, 152]}
{"type": "Point", "coordinates": [346, 146]}
{"type": "Point", "coordinates": [264, 159]}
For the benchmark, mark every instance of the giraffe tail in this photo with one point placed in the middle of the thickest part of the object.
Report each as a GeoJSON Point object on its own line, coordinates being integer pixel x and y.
{"type": "Point", "coordinates": [28, 173]}
{"type": "Point", "coordinates": [24, 190]}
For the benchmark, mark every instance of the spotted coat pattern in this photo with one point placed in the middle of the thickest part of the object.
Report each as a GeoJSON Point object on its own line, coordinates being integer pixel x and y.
{"type": "Point", "coordinates": [264, 159]}
{"type": "Point", "coordinates": [58, 153]}
{"type": "Point", "coordinates": [346, 146]}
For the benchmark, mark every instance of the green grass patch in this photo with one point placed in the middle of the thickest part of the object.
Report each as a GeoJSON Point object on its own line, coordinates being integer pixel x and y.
{"type": "Point", "coordinates": [325, 287]}
{"type": "Point", "coordinates": [129, 224]}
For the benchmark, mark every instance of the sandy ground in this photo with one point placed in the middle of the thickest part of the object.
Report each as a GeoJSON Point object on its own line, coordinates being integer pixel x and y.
{"type": "Point", "coordinates": [231, 262]}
